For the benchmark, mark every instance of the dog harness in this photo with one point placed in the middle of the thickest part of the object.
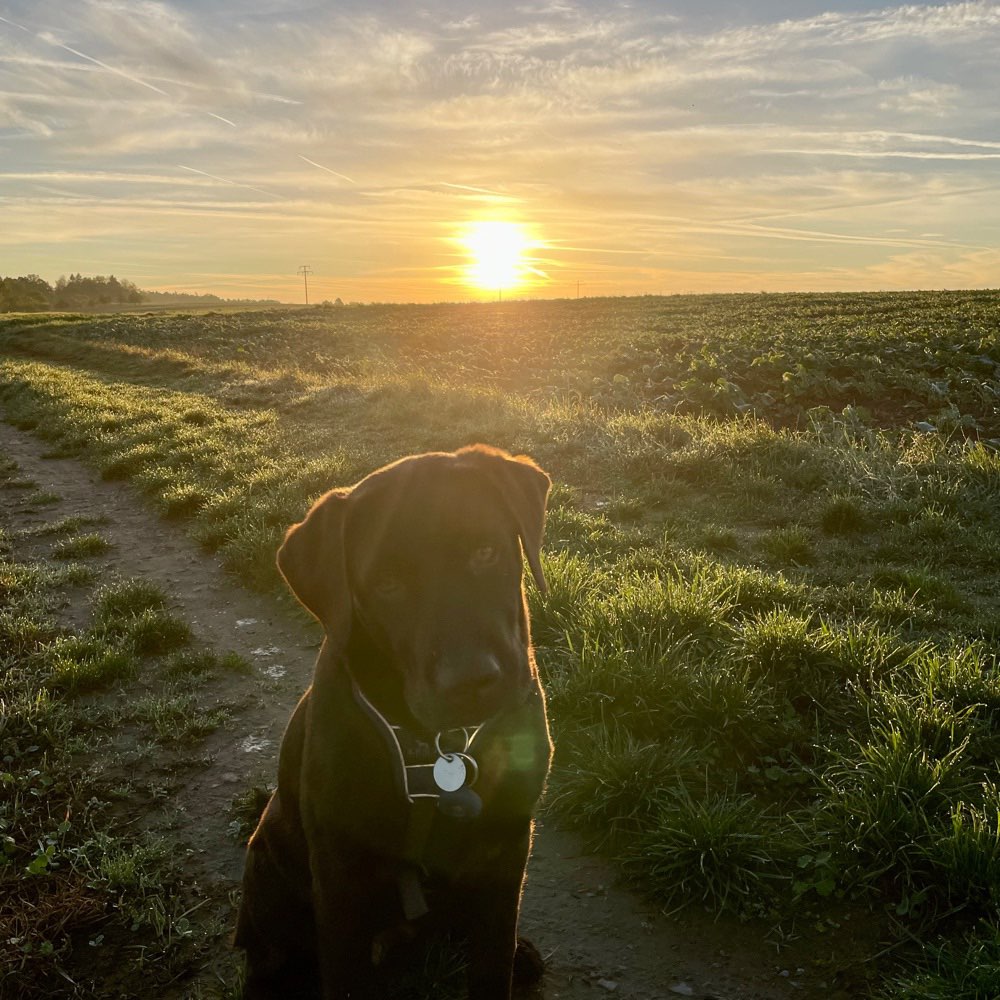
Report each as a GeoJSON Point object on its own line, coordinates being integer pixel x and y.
{"type": "Point", "coordinates": [433, 779]}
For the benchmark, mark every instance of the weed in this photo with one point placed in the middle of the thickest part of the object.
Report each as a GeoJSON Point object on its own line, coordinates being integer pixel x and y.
{"type": "Point", "coordinates": [42, 498]}
{"type": "Point", "coordinates": [127, 598]}
{"type": "Point", "coordinates": [789, 545]}
{"type": "Point", "coordinates": [967, 969]}
{"type": "Point", "coordinates": [247, 808]}
{"type": "Point", "coordinates": [80, 547]}
{"type": "Point", "coordinates": [67, 525]}
{"type": "Point", "coordinates": [843, 515]}
{"type": "Point", "coordinates": [76, 665]}
{"type": "Point", "coordinates": [151, 632]}
{"type": "Point", "coordinates": [717, 847]}
{"type": "Point", "coordinates": [178, 718]}
{"type": "Point", "coordinates": [204, 662]}
{"type": "Point", "coordinates": [610, 781]}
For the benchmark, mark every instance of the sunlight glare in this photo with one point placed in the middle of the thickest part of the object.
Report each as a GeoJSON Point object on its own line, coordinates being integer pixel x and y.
{"type": "Point", "coordinates": [498, 254]}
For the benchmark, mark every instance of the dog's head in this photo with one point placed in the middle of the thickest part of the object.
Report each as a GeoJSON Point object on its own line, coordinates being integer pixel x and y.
{"type": "Point", "coordinates": [423, 557]}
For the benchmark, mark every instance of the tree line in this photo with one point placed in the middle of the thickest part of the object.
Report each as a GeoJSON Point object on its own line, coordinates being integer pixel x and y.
{"type": "Point", "coordinates": [34, 294]}
{"type": "Point", "coordinates": [30, 293]}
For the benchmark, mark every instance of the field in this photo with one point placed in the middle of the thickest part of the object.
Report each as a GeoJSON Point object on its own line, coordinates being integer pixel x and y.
{"type": "Point", "coordinates": [770, 641]}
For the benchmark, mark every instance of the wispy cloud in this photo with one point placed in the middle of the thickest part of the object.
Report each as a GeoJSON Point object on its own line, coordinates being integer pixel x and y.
{"type": "Point", "coordinates": [646, 148]}
{"type": "Point", "coordinates": [226, 180]}
{"type": "Point", "coordinates": [46, 36]}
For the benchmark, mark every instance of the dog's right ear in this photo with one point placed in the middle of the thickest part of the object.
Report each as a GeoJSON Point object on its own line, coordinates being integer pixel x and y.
{"type": "Point", "coordinates": [311, 560]}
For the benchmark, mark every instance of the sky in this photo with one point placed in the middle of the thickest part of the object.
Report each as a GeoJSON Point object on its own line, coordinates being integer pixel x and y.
{"type": "Point", "coordinates": [641, 147]}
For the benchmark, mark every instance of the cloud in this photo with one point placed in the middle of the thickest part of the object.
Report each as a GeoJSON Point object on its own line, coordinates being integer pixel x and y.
{"type": "Point", "coordinates": [819, 141]}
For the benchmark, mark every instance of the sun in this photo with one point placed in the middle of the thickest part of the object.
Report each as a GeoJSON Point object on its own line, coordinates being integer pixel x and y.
{"type": "Point", "coordinates": [498, 251]}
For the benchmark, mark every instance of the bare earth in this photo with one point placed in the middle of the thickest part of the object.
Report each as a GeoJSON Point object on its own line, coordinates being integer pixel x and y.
{"type": "Point", "coordinates": [600, 939]}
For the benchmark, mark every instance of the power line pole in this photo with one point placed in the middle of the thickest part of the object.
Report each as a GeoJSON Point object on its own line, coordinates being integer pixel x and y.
{"type": "Point", "coordinates": [305, 270]}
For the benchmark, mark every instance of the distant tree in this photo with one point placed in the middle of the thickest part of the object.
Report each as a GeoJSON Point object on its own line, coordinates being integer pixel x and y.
{"type": "Point", "coordinates": [31, 293]}
{"type": "Point", "coordinates": [78, 292]}
{"type": "Point", "coordinates": [25, 294]}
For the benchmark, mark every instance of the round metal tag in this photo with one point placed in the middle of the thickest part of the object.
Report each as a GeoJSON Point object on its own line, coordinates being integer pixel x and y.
{"type": "Point", "coordinates": [449, 772]}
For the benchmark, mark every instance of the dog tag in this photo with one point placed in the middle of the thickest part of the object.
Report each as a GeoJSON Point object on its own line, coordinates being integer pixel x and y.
{"type": "Point", "coordinates": [462, 804]}
{"type": "Point", "coordinates": [450, 772]}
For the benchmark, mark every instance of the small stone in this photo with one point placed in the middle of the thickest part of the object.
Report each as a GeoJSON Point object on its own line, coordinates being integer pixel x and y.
{"type": "Point", "coordinates": [230, 777]}
{"type": "Point", "coordinates": [253, 744]}
{"type": "Point", "coordinates": [682, 989]}
{"type": "Point", "coordinates": [785, 973]}
{"type": "Point", "coordinates": [607, 984]}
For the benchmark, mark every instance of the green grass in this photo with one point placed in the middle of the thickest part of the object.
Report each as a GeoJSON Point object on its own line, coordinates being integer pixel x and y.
{"type": "Point", "coordinates": [81, 546]}
{"type": "Point", "coordinates": [90, 902]}
{"type": "Point", "coordinates": [126, 599]}
{"type": "Point", "coordinates": [769, 642]}
{"type": "Point", "coordinates": [66, 525]}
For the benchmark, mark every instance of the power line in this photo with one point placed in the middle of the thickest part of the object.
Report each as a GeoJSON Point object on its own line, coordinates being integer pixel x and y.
{"type": "Point", "coordinates": [305, 270]}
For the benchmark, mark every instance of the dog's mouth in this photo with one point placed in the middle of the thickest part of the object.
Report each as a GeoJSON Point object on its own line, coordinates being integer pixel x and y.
{"type": "Point", "coordinates": [437, 719]}
{"type": "Point", "coordinates": [439, 708]}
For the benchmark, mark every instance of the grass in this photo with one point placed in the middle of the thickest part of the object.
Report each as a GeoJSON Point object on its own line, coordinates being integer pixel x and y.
{"type": "Point", "coordinates": [81, 546]}
{"type": "Point", "coordinates": [91, 903]}
{"type": "Point", "coordinates": [769, 640]}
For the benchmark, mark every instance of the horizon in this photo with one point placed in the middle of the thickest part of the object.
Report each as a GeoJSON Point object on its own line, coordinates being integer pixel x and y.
{"type": "Point", "coordinates": [513, 299]}
{"type": "Point", "coordinates": [631, 149]}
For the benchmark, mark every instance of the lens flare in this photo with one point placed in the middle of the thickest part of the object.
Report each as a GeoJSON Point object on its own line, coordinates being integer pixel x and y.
{"type": "Point", "coordinates": [498, 254]}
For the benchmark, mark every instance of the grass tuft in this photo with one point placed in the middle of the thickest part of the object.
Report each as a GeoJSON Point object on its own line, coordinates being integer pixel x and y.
{"type": "Point", "coordinates": [717, 847]}
{"type": "Point", "coordinates": [81, 547]}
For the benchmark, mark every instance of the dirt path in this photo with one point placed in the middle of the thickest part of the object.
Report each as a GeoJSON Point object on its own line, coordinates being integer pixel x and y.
{"type": "Point", "coordinates": [600, 939]}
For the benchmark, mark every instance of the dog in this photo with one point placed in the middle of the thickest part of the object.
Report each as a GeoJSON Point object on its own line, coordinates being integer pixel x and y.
{"type": "Point", "coordinates": [411, 767]}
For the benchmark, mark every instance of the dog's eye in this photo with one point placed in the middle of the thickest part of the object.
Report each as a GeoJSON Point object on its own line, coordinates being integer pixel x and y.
{"type": "Point", "coordinates": [388, 587]}
{"type": "Point", "coordinates": [483, 557]}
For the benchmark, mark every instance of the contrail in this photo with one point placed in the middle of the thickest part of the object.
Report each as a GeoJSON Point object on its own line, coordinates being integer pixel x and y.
{"type": "Point", "coordinates": [51, 40]}
{"type": "Point", "coordinates": [327, 169]}
{"type": "Point", "coordinates": [14, 24]}
{"type": "Point", "coordinates": [874, 203]}
{"type": "Point", "coordinates": [887, 154]}
{"type": "Point", "coordinates": [468, 187]}
{"type": "Point", "coordinates": [46, 37]}
{"type": "Point", "coordinates": [225, 180]}
{"type": "Point", "coordinates": [557, 246]}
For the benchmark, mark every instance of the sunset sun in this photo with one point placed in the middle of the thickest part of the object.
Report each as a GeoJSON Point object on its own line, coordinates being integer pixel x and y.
{"type": "Point", "coordinates": [498, 251]}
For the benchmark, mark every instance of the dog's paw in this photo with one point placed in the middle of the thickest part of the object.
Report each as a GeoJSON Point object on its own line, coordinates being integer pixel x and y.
{"type": "Point", "coordinates": [529, 966]}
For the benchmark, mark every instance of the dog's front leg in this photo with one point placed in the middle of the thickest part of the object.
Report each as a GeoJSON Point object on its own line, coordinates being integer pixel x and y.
{"type": "Point", "coordinates": [345, 925]}
{"type": "Point", "coordinates": [491, 910]}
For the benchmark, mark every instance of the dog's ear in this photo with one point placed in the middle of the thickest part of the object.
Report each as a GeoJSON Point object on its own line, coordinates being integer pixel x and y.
{"type": "Point", "coordinates": [525, 489]}
{"type": "Point", "coordinates": [311, 560]}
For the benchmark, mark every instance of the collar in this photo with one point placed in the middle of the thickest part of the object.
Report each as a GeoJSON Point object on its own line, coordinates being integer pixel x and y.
{"type": "Point", "coordinates": [415, 765]}
{"type": "Point", "coordinates": [419, 763]}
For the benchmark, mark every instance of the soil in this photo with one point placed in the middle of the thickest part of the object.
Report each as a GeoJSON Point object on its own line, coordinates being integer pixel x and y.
{"type": "Point", "coordinates": [598, 937]}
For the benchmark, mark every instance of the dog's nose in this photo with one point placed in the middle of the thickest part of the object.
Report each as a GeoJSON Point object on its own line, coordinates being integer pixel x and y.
{"type": "Point", "coordinates": [473, 684]}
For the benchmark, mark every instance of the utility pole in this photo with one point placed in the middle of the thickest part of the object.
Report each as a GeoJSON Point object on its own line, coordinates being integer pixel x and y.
{"type": "Point", "coordinates": [305, 270]}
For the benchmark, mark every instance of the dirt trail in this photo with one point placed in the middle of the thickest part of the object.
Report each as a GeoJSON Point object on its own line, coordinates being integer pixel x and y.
{"type": "Point", "coordinates": [600, 939]}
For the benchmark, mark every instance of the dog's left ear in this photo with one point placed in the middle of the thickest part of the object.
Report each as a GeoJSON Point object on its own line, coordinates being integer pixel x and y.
{"type": "Point", "coordinates": [525, 489]}
{"type": "Point", "coordinates": [311, 559]}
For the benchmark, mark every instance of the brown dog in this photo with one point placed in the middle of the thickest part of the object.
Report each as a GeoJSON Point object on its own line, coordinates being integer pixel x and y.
{"type": "Point", "coordinates": [410, 769]}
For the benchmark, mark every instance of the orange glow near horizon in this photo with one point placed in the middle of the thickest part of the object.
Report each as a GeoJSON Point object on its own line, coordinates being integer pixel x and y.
{"type": "Point", "coordinates": [499, 255]}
